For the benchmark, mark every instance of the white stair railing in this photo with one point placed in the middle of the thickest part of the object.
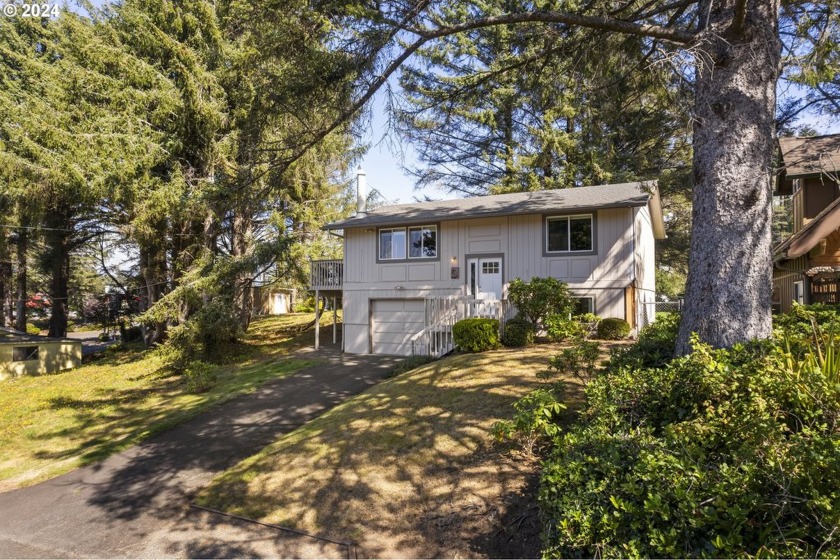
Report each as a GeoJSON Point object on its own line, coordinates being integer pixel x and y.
{"type": "Point", "coordinates": [442, 312]}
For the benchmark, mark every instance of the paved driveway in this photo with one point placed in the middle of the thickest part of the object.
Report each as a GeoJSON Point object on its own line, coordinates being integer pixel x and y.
{"type": "Point", "coordinates": [136, 503]}
{"type": "Point", "coordinates": [90, 341]}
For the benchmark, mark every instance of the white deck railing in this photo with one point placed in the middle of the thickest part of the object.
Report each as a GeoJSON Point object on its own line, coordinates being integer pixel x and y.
{"type": "Point", "coordinates": [327, 274]}
{"type": "Point", "coordinates": [442, 312]}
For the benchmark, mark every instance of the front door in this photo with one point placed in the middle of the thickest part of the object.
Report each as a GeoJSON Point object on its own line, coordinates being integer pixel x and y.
{"type": "Point", "coordinates": [485, 277]}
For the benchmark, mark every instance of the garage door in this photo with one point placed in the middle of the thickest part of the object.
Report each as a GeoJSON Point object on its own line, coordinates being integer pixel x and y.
{"type": "Point", "coordinates": [394, 322]}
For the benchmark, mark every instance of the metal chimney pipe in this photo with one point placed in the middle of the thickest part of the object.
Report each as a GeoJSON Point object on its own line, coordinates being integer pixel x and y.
{"type": "Point", "coordinates": [361, 193]}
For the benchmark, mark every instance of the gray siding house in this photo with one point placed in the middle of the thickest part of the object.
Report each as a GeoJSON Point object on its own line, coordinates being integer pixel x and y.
{"type": "Point", "coordinates": [410, 270]}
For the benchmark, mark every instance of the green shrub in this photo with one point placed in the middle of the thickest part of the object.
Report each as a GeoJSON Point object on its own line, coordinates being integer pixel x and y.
{"type": "Point", "coordinates": [539, 298]}
{"type": "Point", "coordinates": [476, 335]}
{"type": "Point", "coordinates": [723, 453]}
{"type": "Point", "coordinates": [612, 329]}
{"type": "Point", "coordinates": [534, 421]}
{"type": "Point", "coordinates": [579, 361]}
{"type": "Point", "coordinates": [560, 327]}
{"type": "Point", "coordinates": [803, 322]}
{"type": "Point", "coordinates": [207, 335]}
{"type": "Point", "coordinates": [103, 337]}
{"type": "Point", "coordinates": [306, 305]}
{"type": "Point", "coordinates": [655, 346]}
{"type": "Point", "coordinates": [131, 334]}
{"type": "Point", "coordinates": [200, 376]}
{"type": "Point", "coordinates": [32, 329]}
{"type": "Point", "coordinates": [518, 332]}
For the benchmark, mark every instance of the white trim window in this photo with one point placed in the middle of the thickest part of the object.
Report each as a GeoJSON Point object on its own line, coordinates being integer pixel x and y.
{"type": "Point", "coordinates": [415, 242]}
{"type": "Point", "coordinates": [392, 244]}
{"type": "Point", "coordinates": [583, 304]}
{"type": "Point", "coordinates": [569, 234]}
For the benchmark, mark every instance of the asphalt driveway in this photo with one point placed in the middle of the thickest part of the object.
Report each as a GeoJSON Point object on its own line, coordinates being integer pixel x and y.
{"type": "Point", "coordinates": [137, 503]}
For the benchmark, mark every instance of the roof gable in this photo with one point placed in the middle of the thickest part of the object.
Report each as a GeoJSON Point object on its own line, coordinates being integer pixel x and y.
{"type": "Point", "coordinates": [809, 156]}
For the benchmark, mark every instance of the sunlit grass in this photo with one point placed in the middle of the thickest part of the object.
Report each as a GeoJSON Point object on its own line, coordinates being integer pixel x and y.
{"type": "Point", "coordinates": [51, 424]}
{"type": "Point", "coordinates": [408, 454]}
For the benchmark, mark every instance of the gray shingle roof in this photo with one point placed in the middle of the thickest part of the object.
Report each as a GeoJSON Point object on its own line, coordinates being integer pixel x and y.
{"type": "Point", "coordinates": [805, 156]}
{"type": "Point", "coordinates": [537, 202]}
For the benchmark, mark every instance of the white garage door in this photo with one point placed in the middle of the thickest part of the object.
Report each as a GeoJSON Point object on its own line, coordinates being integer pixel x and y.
{"type": "Point", "coordinates": [394, 322]}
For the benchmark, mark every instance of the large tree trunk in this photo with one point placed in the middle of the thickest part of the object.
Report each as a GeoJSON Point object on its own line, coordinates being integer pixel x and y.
{"type": "Point", "coordinates": [5, 279]}
{"type": "Point", "coordinates": [154, 270]}
{"type": "Point", "coordinates": [20, 279]}
{"type": "Point", "coordinates": [57, 260]}
{"type": "Point", "coordinates": [242, 233]}
{"type": "Point", "coordinates": [728, 290]}
{"type": "Point", "coordinates": [59, 280]}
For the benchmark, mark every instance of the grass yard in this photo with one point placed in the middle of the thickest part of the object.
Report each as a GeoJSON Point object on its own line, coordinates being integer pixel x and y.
{"type": "Point", "coordinates": [407, 468]}
{"type": "Point", "coordinates": [54, 423]}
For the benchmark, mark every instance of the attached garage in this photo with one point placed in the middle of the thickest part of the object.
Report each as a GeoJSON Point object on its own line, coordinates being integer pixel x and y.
{"type": "Point", "coordinates": [393, 322]}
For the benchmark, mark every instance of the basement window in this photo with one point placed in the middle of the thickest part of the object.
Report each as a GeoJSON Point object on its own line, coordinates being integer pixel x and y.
{"type": "Point", "coordinates": [583, 304]}
{"type": "Point", "coordinates": [24, 353]}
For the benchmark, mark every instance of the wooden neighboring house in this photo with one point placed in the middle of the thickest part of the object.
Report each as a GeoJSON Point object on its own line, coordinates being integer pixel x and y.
{"type": "Point", "coordinates": [410, 270]}
{"type": "Point", "coordinates": [806, 265]}
{"type": "Point", "coordinates": [25, 354]}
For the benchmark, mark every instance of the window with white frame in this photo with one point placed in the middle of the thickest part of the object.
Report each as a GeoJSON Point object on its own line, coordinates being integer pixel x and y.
{"type": "Point", "coordinates": [583, 304]}
{"type": "Point", "coordinates": [392, 244]}
{"type": "Point", "coordinates": [568, 234]}
{"type": "Point", "coordinates": [416, 242]}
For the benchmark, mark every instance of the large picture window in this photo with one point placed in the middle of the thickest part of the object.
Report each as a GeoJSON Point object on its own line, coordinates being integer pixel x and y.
{"type": "Point", "coordinates": [416, 242]}
{"type": "Point", "coordinates": [565, 234]}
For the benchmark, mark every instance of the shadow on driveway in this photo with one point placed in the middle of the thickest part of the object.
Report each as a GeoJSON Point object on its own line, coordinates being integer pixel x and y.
{"type": "Point", "coordinates": [136, 503]}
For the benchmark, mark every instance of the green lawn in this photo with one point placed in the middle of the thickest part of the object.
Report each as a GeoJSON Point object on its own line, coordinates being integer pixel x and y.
{"type": "Point", "coordinates": [407, 468]}
{"type": "Point", "coordinates": [54, 423]}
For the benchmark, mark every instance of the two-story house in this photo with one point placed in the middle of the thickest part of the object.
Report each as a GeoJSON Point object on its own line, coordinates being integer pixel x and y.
{"type": "Point", "coordinates": [807, 264]}
{"type": "Point", "coordinates": [410, 267]}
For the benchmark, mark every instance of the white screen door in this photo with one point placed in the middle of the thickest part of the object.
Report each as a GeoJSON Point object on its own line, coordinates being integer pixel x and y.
{"type": "Point", "coordinates": [485, 277]}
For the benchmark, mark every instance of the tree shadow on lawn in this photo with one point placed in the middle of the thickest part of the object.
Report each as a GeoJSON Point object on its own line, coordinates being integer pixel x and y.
{"type": "Point", "coordinates": [158, 477]}
{"type": "Point", "coordinates": [410, 469]}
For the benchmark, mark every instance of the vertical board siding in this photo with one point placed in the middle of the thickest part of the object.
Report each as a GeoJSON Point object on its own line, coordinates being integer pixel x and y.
{"type": "Point", "coordinates": [783, 280]}
{"type": "Point", "coordinates": [520, 239]}
{"type": "Point", "coordinates": [645, 247]}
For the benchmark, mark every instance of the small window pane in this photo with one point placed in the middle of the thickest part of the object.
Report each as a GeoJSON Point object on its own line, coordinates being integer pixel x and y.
{"type": "Point", "coordinates": [24, 353]}
{"type": "Point", "coordinates": [398, 244]}
{"type": "Point", "coordinates": [581, 234]}
{"type": "Point", "coordinates": [558, 234]}
{"type": "Point", "coordinates": [583, 305]}
{"type": "Point", "coordinates": [391, 244]}
{"type": "Point", "coordinates": [422, 242]}
{"type": "Point", "coordinates": [415, 243]}
{"type": "Point", "coordinates": [490, 267]}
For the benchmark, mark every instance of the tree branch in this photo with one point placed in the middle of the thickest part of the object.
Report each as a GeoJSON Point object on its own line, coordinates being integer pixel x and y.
{"type": "Point", "coordinates": [591, 22]}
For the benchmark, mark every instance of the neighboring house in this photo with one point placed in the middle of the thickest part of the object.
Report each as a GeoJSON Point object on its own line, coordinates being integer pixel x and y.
{"type": "Point", "coordinates": [806, 265]}
{"type": "Point", "coordinates": [412, 269]}
{"type": "Point", "coordinates": [25, 354]}
{"type": "Point", "coordinates": [269, 300]}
